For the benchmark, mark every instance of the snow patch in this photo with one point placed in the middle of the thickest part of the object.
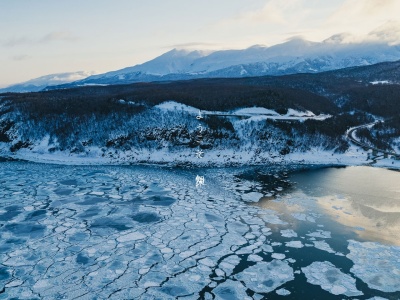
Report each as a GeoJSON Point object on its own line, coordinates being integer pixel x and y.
{"type": "Point", "coordinates": [172, 105]}
{"type": "Point", "coordinates": [380, 82]}
{"type": "Point", "coordinates": [255, 111]}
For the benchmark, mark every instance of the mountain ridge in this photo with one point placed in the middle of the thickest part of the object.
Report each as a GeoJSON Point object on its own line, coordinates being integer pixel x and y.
{"type": "Point", "coordinates": [294, 56]}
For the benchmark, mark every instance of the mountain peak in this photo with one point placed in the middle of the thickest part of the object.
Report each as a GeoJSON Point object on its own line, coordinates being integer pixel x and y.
{"type": "Point", "coordinates": [257, 46]}
{"type": "Point", "coordinates": [339, 38]}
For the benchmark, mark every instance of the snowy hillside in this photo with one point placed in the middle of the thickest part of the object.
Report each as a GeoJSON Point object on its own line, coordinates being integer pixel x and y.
{"type": "Point", "coordinates": [255, 120]}
{"type": "Point", "coordinates": [166, 133]}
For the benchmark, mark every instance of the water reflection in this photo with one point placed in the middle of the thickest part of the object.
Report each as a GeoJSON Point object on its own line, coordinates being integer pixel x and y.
{"type": "Point", "coordinates": [364, 198]}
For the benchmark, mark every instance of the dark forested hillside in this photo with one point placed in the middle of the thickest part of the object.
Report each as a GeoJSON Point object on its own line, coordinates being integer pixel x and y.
{"type": "Point", "coordinates": [206, 94]}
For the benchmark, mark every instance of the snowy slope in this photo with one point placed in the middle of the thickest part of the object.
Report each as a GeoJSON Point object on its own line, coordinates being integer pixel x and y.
{"type": "Point", "coordinates": [171, 62]}
{"type": "Point", "coordinates": [294, 56]}
{"type": "Point", "coordinates": [40, 83]}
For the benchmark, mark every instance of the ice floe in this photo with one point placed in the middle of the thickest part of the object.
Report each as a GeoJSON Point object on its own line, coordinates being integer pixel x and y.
{"type": "Point", "coordinates": [294, 244]}
{"type": "Point", "coordinates": [320, 234]}
{"type": "Point", "coordinates": [375, 264]}
{"type": "Point", "coordinates": [278, 255]}
{"type": "Point", "coordinates": [324, 246]}
{"type": "Point", "coordinates": [283, 292]}
{"type": "Point", "coordinates": [230, 290]}
{"type": "Point", "coordinates": [288, 233]}
{"type": "Point", "coordinates": [265, 277]}
{"type": "Point", "coordinates": [303, 217]}
{"type": "Point", "coordinates": [331, 279]}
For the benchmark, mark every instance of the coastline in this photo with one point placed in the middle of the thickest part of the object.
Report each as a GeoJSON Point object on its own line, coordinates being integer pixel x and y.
{"type": "Point", "coordinates": [226, 158]}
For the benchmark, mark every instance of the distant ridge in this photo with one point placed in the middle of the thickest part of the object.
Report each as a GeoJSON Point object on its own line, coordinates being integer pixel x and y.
{"type": "Point", "coordinates": [42, 82]}
{"type": "Point", "coordinates": [294, 56]}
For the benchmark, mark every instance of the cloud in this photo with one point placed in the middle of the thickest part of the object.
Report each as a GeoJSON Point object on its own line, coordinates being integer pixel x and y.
{"type": "Point", "coordinates": [373, 6]}
{"type": "Point", "coordinates": [351, 21]}
{"type": "Point", "coordinates": [194, 45]}
{"type": "Point", "coordinates": [272, 22]}
{"type": "Point", "coordinates": [363, 16]}
{"type": "Point", "coordinates": [273, 12]}
{"type": "Point", "coordinates": [58, 36]}
{"type": "Point", "coordinates": [16, 42]}
{"type": "Point", "coordinates": [21, 57]}
{"type": "Point", "coordinates": [388, 32]}
{"type": "Point", "coordinates": [64, 36]}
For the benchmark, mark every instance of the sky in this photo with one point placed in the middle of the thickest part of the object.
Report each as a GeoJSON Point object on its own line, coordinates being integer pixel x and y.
{"type": "Point", "coordinates": [45, 36]}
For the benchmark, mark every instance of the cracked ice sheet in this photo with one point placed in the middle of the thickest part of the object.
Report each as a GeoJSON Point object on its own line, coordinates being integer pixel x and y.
{"type": "Point", "coordinates": [265, 277]}
{"type": "Point", "coordinates": [331, 279]}
{"type": "Point", "coordinates": [376, 264]}
{"type": "Point", "coordinates": [120, 232]}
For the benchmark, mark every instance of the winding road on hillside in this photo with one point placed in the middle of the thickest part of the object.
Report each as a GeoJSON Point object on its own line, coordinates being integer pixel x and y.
{"type": "Point", "coordinates": [351, 136]}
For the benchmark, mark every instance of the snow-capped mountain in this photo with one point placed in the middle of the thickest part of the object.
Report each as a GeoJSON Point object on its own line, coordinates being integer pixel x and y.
{"type": "Point", "coordinates": [294, 56]}
{"type": "Point", "coordinates": [40, 83]}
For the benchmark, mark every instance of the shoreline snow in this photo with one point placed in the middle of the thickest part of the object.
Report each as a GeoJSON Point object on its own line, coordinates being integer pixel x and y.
{"type": "Point", "coordinates": [226, 158]}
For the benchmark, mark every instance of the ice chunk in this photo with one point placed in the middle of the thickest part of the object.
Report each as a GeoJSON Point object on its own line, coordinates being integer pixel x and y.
{"type": "Point", "coordinates": [41, 284]}
{"type": "Point", "coordinates": [303, 217]}
{"type": "Point", "coordinates": [288, 233]}
{"type": "Point", "coordinates": [14, 283]}
{"type": "Point", "coordinates": [294, 244]}
{"type": "Point", "coordinates": [376, 264]}
{"type": "Point", "coordinates": [320, 234]}
{"type": "Point", "coordinates": [283, 292]}
{"type": "Point", "coordinates": [265, 277]}
{"type": "Point", "coordinates": [97, 193]}
{"type": "Point", "coordinates": [254, 257]}
{"type": "Point", "coordinates": [208, 262]}
{"type": "Point", "coordinates": [331, 279]}
{"type": "Point", "coordinates": [229, 263]}
{"type": "Point", "coordinates": [267, 248]}
{"type": "Point", "coordinates": [272, 218]}
{"type": "Point", "coordinates": [278, 255]}
{"type": "Point", "coordinates": [187, 254]}
{"type": "Point", "coordinates": [230, 290]}
{"type": "Point", "coordinates": [252, 197]}
{"type": "Point", "coordinates": [324, 246]}
{"type": "Point", "coordinates": [133, 236]}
